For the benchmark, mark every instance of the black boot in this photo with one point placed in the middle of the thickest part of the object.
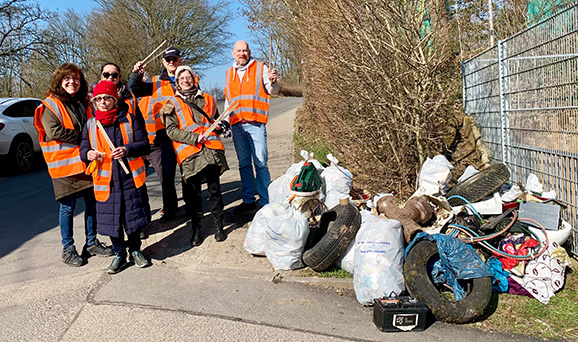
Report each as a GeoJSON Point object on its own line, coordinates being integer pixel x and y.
{"type": "Point", "coordinates": [219, 233]}
{"type": "Point", "coordinates": [196, 238]}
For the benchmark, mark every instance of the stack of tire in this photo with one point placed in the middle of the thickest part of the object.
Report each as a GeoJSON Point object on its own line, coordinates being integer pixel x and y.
{"type": "Point", "coordinates": [423, 253]}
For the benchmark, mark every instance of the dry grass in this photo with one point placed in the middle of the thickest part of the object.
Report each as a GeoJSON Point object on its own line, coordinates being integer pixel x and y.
{"type": "Point", "coordinates": [523, 315]}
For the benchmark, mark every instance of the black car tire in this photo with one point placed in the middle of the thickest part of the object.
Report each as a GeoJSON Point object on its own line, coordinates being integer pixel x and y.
{"type": "Point", "coordinates": [480, 185]}
{"type": "Point", "coordinates": [419, 284]}
{"type": "Point", "coordinates": [21, 154]}
{"type": "Point", "coordinates": [341, 223]}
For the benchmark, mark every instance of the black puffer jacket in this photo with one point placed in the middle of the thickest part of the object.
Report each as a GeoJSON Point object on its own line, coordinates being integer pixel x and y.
{"type": "Point", "coordinates": [126, 204]}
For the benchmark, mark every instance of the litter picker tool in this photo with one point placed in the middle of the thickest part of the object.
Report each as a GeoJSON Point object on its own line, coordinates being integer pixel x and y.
{"type": "Point", "coordinates": [111, 146]}
{"type": "Point", "coordinates": [146, 60]}
{"type": "Point", "coordinates": [226, 113]}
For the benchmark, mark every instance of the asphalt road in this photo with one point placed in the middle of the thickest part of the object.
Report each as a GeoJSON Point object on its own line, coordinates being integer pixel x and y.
{"type": "Point", "coordinates": [214, 292]}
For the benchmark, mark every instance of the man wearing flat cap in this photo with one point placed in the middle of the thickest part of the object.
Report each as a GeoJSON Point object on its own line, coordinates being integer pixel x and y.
{"type": "Point", "coordinates": [153, 96]}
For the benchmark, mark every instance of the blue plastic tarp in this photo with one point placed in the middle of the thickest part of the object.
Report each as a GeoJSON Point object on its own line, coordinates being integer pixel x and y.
{"type": "Point", "coordinates": [499, 276]}
{"type": "Point", "coordinates": [458, 260]}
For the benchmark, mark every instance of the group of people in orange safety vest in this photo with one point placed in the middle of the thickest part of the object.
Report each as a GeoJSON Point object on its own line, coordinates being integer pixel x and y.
{"type": "Point", "coordinates": [98, 141]}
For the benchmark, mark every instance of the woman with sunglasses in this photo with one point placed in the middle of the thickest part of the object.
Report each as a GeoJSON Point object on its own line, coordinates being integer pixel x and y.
{"type": "Point", "coordinates": [59, 121]}
{"type": "Point", "coordinates": [200, 155]}
{"type": "Point", "coordinates": [111, 72]}
{"type": "Point", "coordinates": [114, 142]}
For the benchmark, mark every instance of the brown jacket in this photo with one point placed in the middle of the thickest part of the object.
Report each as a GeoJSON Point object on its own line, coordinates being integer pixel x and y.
{"type": "Point", "coordinates": [76, 184]}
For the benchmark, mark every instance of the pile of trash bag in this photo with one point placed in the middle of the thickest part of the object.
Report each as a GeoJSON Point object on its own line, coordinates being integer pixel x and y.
{"type": "Point", "coordinates": [483, 231]}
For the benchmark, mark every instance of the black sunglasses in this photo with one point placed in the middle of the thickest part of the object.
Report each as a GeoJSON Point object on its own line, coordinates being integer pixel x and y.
{"type": "Point", "coordinates": [171, 59]}
{"type": "Point", "coordinates": [108, 74]}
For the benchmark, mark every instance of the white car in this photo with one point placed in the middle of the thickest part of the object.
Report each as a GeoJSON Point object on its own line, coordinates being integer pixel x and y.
{"type": "Point", "coordinates": [18, 137]}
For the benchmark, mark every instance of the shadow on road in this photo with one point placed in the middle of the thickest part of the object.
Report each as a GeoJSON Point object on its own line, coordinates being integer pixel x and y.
{"type": "Point", "coordinates": [179, 240]}
{"type": "Point", "coordinates": [28, 208]}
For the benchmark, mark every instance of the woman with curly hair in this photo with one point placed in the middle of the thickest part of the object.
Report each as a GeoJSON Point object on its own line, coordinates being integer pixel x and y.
{"type": "Point", "coordinates": [59, 121]}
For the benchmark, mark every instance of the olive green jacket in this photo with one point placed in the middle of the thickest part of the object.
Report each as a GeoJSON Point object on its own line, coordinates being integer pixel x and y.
{"type": "Point", "coordinates": [198, 161]}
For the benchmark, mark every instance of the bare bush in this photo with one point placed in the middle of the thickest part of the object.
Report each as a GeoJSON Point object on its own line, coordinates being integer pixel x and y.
{"type": "Point", "coordinates": [286, 89]}
{"type": "Point", "coordinates": [376, 86]}
{"type": "Point", "coordinates": [381, 78]}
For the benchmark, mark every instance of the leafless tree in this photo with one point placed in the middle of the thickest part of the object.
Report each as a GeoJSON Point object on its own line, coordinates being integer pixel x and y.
{"type": "Point", "coordinates": [19, 36]}
{"type": "Point", "coordinates": [217, 92]}
{"type": "Point", "coordinates": [272, 43]}
{"type": "Point", "coordinates": [126, 31]}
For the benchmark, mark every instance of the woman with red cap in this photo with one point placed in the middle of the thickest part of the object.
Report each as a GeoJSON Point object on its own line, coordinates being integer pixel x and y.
{"type": "Point", "coordinates": [114, 143]}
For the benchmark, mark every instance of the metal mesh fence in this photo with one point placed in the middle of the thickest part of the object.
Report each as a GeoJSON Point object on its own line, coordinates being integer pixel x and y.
{"type": "Point", "coordinates": [523, 94]}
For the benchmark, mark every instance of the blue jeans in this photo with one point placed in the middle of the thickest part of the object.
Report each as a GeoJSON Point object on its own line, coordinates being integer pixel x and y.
{"type": "Point", "coordinates": [250, 141]}
{"type": "Point", "coordinates": [67, 206]}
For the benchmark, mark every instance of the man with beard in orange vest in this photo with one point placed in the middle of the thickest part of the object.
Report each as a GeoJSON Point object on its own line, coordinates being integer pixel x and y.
{"type": "Point", "coordinates": [251, 83]}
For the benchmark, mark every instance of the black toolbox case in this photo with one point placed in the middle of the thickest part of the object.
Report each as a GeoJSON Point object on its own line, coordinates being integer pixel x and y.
{"type": "Point", "coordinates": [401, 313]}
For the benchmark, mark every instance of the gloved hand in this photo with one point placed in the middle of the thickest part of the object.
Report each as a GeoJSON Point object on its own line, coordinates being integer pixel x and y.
{"type": "Point", "coordinates": [225, 129]}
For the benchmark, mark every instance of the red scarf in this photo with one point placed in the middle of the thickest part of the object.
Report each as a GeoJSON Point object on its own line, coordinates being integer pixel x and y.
{"type": "Point", "coordinates": [107, 118]}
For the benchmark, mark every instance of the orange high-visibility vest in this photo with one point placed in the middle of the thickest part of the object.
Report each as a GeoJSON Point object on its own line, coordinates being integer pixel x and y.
{"type": "Point", "coordinates": [132, 104]}
{"type": "Point", "coordinates": [186, 123]}
{"type": "Point", "coordinates": [151, 105]}
{"type": "Point", "coordinates": [103, 174]}
{"type": "Point", "coordinates": [250, 92]}
{"type": "Point", "coordinates": [62, 159]}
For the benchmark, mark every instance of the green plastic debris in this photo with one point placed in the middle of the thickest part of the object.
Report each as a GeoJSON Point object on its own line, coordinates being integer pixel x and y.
{"type": "Point", "coordinates": [308, 179]}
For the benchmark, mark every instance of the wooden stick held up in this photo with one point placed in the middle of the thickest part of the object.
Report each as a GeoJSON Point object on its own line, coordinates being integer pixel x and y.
{"type": "Point", "coordinates": [226, 113]}
{"type": "Point", "coordinates": [157, 55]}
{"type": "Point", "coordinates": [144, 61]}
{"type": "Point", "coordinates": [111, 146]}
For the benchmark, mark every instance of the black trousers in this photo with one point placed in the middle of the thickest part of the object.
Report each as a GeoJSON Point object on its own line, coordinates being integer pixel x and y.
{"type": "Point", "coordinates": [164, 161]}
{"type": "Point", "coordinates": [119, 245]}
{"type": "Point", "coordinates": [192, 194]}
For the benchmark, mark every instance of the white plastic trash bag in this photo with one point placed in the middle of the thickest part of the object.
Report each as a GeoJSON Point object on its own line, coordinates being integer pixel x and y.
{"type": "Point", "coordinates": [378, 261]}
{"type": "Point", "coordinates": [294, 169]}
{"type": "Point", "coordinates": [346, 262]}
{"type": "Point", "coordinates": [285, 237]}
{"type": "Point", "coordinates": [280, 189]}
{"type": "Point", "coordinates": [435, 175]}
{"type": "Point", "coordinates": [255, 238]}
{"type": "Point", "coordinates": [337, 178]}
{"type": "Point", "coordinates": [337, 182]}
{"type": "Point", "coordinates": [332, 198]}
{"type": "Point", "coordinates": [468, 172]}
{"type": "Point", "coordinates": [534, 184]}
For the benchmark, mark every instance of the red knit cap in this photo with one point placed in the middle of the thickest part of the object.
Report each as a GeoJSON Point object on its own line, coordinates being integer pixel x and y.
{"type": "Point", "coordinates": [105, 87]}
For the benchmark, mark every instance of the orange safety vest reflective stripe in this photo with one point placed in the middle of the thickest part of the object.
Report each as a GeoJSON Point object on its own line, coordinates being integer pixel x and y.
{"type": "Point", "coordinates": [62, 159]}
{"type": "Point", "coordinates": [186, 123]}
{"type": "Point", "coordinates": [132, 104]}
{"type": "Point", "coordinates": [250, 92]}
{"type": "Point", "coordinates": [103, 174]}
{"type": "Point", "coordinates": [151, 105]}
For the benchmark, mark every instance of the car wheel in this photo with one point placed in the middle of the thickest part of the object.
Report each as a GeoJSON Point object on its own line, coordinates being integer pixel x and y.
{"type": "Point", "coordinates": [22, 154]}
{"type": "Point", "coordinates": [420, 285]}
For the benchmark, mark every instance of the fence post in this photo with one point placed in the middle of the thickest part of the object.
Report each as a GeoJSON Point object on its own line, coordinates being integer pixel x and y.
{"type": "Point", "coordinates": [464, 95]}
{"type": "Point", "coordinates": [503, 85]}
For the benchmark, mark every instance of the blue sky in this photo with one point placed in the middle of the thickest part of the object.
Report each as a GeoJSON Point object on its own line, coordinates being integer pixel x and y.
{"type": "Point", "coordinates": [210, 77]}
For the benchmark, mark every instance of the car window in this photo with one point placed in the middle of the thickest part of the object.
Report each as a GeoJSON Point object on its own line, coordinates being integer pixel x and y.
{"type": "Point", "coordinates": [30, 107]}
{"type": "Point", "coordinates": [22, 109]}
